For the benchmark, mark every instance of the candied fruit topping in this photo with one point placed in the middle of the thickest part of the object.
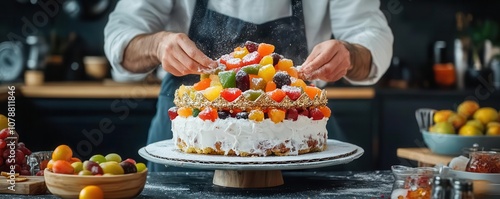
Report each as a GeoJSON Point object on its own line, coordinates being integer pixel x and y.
{"type": "Point", "coordinates": [265, 49]}
{"type": "Point", "coordinates": [227, 79]}
{"type": "Point", "coordinates": [252, 95]}
{"type": "Point", "coordinates": [292, 92]}
{"type": "Point", "coordinates": [312, 91]}
{"type": "Point", "coordinates": [298, 83]}
{"type": "Point", "coordinates": [316, 114]}
{"type": "Point", "coordinates": [196, 112]}
{"type": "Point", "coordinates": [208, 113]}
{"type": "Point", "coordinates": [268, 59]}
{"type": "Point", "coordinates": [267, 72]}
{"type": "Point", "coordinates": [251, 46]}
{"type": "Point", "coordinates": [284, 64]}
{"type": "Point", "coordinates": [251, 69]}
{"type": "Point", "coordinates": [223, 114]}
{"type": "Point", "coordinates": [212, 93]}
{"type": "Point", "coordinates": [256, 115]}
{"type": "Point", "coordinates": [185, 112]}
{"type": "Point", "coordinates": [242, 80]}
{"type": "Point", "coordinates": [230, 94]}
{"type": "Point", "coordinates": [240, 52]}
{"type": "Point", "coordinates": [172, 112]}
{"type": "Point", "coordinates": [257, 83]}
{"type": "Point", "coordinates": [270, 86]}
{"type": "Point", "coordinates": [277, 95]}
{"type": "Point", "coordinates": [326, 111]}
{"type": "Point", "coordinates": [281, 79]}
{"type": "Point", "coordinates": [233, 63]}
{"type": "Point", "coordinates": [276, 115]}
{"type": "Point", "coordinates": [202, 84]}
{"type": "Point", "coordinates": [276, 58]}
{"type": "Point", "coordinates": [251, 58]}
{"type": "Point", "coordinates": [292, 114]}
{"type": "Point", "coordinates": [292, 71]}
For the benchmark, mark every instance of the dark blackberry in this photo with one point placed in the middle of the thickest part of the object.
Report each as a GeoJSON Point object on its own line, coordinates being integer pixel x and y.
{"type": "Point", "coordinates": [223, 114]}
{"type": "Point", "coordinates": [242, 115]}
{"type": "Point", "coordinates": [281, 79]}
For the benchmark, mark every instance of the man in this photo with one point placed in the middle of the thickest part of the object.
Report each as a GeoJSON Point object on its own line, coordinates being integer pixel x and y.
{"type": "Point", "coordinates": [185, 36]}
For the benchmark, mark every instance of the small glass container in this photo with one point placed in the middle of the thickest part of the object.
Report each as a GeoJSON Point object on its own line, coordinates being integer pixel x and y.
{"type": "Point", "coordinates": [484, 162]}
{"type": "Point", "coordinates": [462, 189]}
{"type": "Point", "coordinates": [441, 187]}
{"type": "Point", "coordinates": [412, 182]}
{"type": "Point", "coordinates": [38, 161]}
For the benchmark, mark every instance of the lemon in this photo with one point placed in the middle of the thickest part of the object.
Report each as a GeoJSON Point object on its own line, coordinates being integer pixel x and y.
{"type": "Point", "coordinates": [467, 108]}
{"type": "Point", "coordinates": [476, 123]}
{"type": "Point", "coordinates": [486, 114]}
{"type": "Point", "coordinates": [4, 122]}
{"type": "Point", "coordinates": [493, 130]}
{"type": "Point", "coordinates": [468, 130]}
{"type": "Point", "coordinates": [442, 128]}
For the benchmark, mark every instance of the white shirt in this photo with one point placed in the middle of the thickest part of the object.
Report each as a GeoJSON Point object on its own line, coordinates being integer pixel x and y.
{"type": "Point", "coordinates": [355, 21]}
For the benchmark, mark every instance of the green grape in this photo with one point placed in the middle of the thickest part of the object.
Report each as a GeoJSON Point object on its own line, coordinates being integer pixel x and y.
{"type": "Point", "coordinates": [113, 157]}
{"type": "Point", "coordinates": [140, 167]}
{"type": "Point", "coordinates": [98, 158]}
{"type": "Point", "coordinates": [77, 166]}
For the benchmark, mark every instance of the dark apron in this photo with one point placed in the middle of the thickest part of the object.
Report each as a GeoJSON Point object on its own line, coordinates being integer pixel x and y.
{"type": "Point", "coordinates": [216, 34]}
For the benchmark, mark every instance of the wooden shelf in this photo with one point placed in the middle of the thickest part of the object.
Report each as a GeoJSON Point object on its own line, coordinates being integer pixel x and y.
{"type": "Point", "coordinates": [423, 156]}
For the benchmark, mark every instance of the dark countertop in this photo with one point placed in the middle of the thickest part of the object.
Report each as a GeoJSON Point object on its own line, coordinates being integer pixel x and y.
{"type": "Point", "coordinates": [372, 184]}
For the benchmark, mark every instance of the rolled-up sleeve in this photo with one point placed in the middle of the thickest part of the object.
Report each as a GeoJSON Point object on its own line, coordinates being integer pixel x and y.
{"type": "Point", "coordinates": [129, 19]}
{"type": "Point", "coordinates": [362, 22]}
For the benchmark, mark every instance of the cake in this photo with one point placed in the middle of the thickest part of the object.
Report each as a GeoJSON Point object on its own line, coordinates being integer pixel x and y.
{"type": "Point", "coordinates": [253, 104]}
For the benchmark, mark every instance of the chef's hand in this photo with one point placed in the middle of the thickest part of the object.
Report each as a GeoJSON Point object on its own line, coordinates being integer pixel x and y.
{"type": "Point", "coordinates": [333, 59]}
{"type": "Point", "coordinates": [180, 56]}
{"type": "Point", "coordinates": [176, 53]}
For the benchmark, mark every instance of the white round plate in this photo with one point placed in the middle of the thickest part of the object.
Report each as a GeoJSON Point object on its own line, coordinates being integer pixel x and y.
{"type": "Point", "coordinates": [166, 152]}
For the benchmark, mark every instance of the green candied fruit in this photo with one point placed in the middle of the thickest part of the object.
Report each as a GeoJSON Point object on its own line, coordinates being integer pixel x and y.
{"type": "Point", "coordinates": [227, 79]}
{"type": "Point", "coordinates": [196, 112]}
{"type": "Point", "coordinates": [257, 83]}
{"type": "Point", "coordinates": [251, 69]}
{"type": "Point", "coordinates": [252, 95]}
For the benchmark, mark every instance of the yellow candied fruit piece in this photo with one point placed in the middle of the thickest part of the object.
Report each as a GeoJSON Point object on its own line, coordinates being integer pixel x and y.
{"type": "Point", "coordinates": [185, 112]}
{"type": "Point", "coordinates": [298, 83]}
{"type": "Point", "coordinates": [284, 64]}
{"type": "Point", "coordinates": [256, 115]}
{"type": "Point", "coordinates": [276, 115]}
{"type": "Point", "coordinates": [212, 93]}
{"type": "Point", "coordinates": [240, 52]}
{"type": "Point", "coordinates": [268, 59]}
{"type": "Point", "coordinates": [267, 72]}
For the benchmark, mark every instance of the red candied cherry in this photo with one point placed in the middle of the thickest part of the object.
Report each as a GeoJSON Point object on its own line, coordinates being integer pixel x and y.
{"type": "Point", "coordinates": [292, 114]}
{"type": "Point", "coordinates": [233, 63]}
{"type": "Point", "coordinates": [230, 94]}
{"type": "Point", "coordinates": [172, 112]}
{"type": "Point", "coordinates": [208, 113]}
{"type": "Point", "coordinates": [251, 58]}
{"type": "Point", "coordinates": [292, 92]}
{"type": "Point", "coordinates": [316, 114]}
{"type": "Point", "coordinates": [304, 112]}
{"type": "Point", "coordinates": [223, 59]}
{"type": "Point", "coordinates": [251, 46]}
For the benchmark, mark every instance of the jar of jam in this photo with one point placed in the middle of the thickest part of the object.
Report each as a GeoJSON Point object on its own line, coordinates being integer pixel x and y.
{"type": "Point", "coordinates": [484, 162]}
{"type": "Point", "coordinates": [412, 182]}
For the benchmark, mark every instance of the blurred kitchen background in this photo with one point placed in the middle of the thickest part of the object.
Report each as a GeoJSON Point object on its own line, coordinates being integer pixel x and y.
{"type": "Point", "coordinates": [445, 51]}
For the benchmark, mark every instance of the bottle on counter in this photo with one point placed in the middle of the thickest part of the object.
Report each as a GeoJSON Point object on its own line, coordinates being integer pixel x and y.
{"type": "Point", "coordinates": [444, 72]}
{"type": "Point", "coordinates": [441, 187]}
{"type": "Point", "coordinates": [462, 189]}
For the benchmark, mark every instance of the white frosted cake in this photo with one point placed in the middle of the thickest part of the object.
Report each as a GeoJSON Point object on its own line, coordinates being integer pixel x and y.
{"type": "Point", "coordinates": [253, 105]}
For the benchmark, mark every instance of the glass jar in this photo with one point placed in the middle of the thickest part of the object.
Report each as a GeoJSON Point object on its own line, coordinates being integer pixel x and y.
{"type": "Point", "coordinates": [484, 162]}
{"type": "Point", "coordinates": [412, 182]}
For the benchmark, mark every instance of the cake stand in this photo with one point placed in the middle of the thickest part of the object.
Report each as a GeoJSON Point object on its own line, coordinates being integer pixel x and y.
{"type": "Point", "coordinates": [250, 172]}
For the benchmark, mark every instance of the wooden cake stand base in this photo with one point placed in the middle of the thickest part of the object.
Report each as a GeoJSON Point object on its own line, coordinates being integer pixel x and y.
{"type": "Point", "coordinates": [248, 178]}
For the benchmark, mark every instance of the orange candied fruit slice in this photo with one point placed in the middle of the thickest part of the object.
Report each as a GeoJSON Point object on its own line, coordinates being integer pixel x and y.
{"type": "Point", "coordinates": [185, 112]}
{"type": "Point", "coordinates": [265, 49]}
{"type": "Point", "coordinates": [299, 83]}
{"type": "Point", "coordinates": [292, 71]}
{"type": "Point", "coordinates": [276, 115]}
{"type": "Point", "coordinates": [312, 91]}
{"type": "Point", "coordinates": [233, 63]}
{"type": "Point", "coordinates": [270, 86]}
{"type": "Point", "coordinates": [284, 64]}
{"type": "Point", "coordinates": [202, 84]}
{"type": "Point", "coordinates": [208, 113]}
{"type": "Point", "coordinates": [277, 95]}
{"type": "Point", "coordinates": [326, 111]}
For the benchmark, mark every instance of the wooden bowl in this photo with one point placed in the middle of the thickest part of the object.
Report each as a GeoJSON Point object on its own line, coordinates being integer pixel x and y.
{"type": "Point", "coordinates": [117, 186]}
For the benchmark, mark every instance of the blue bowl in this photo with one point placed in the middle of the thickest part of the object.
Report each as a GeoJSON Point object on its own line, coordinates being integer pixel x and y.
{"type": "Point", "coordinates": [452, 144]}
